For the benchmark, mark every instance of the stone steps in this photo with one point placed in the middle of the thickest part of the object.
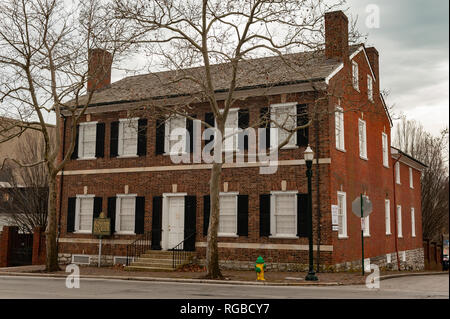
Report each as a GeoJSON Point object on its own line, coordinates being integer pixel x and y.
{"type": "Point", "coordinates": [155, 260]}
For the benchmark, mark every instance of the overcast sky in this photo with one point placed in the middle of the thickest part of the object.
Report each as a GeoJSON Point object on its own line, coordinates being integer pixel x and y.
{"type": "Point", "coordinates": [413, 42]}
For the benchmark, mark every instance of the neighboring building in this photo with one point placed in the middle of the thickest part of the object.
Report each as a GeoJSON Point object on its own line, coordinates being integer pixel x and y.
{"type": "Point", "coordinates": [128, 174]}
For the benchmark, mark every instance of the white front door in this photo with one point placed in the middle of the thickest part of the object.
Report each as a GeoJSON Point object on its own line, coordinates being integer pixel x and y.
{"type": "Point", "coordinates": [174, 222]}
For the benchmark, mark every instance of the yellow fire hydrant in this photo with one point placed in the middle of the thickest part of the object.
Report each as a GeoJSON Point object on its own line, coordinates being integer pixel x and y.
{"type": "Point", "coordinates": [260, 266]}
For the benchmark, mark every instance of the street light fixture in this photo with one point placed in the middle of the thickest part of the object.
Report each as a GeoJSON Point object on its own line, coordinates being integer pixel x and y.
{"type": "Point", "coordinates": [309, 156]}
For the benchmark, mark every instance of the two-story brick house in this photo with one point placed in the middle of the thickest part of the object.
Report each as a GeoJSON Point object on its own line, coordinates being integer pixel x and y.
{"type": "Point", "coordinates": [122, 166]}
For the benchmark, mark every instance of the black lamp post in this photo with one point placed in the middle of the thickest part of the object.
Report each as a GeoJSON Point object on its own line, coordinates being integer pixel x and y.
{"type": "Point", "coordinates": [309, 156]}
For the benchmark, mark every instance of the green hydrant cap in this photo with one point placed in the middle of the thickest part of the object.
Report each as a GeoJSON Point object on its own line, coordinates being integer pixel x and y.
{"type": "Point", "coordinates": [260, 260]}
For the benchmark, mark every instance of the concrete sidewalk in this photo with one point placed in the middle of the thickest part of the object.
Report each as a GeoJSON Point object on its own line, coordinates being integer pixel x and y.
{"type": "Point", "coordinates": [293, 279]}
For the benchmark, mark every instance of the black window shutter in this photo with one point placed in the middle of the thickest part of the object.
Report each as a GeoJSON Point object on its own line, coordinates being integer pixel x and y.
{"type": "Point", "coordinates": [302, 215]}
{"type": "Point", "coordinates": [206, 212]}
{"type": "Point", "coordinates": [139, 214]}
{"type": "Point", "coordinates": [75, 149]}
{"type": "Point", "coordinates": [243, 123]}
{"type": "Point", "coordinates": [100, 141]}
{"type": "Point", "coordinates": [209, 119]}
{"type": "Point", "coordinates": [264, 217]}
{"type": "Point", "coordinates": [190, 129]}
{"type": "Point", "coordinates": [160, 136]}
{"type": "Point", "coordinates": [242, 218]}
{"type": "Point", "coordinates": [157, 223]}
{"type": "Point", "coordinates": [142, 137]}
{"type": "Point", "coordinates": [114, 140]}
{"type": "Point", "coordinates": [71, 214]}
{"type": "Point", "coordinates": [302, 119]}
{"type": "Point", "coordinates": [190, 221]}
{"type": "Point", "coordinates": [97, 207]}
{"type": "Point", "coordinates": [112, 213]}
{"type": "Point", "coordinates": [265, 123]}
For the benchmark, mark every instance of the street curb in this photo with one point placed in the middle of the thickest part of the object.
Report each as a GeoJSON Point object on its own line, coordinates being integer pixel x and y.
{"type": "Point", "coordinates": [183, 280]}
{"type": "Point", "coordinates": [414, 274]}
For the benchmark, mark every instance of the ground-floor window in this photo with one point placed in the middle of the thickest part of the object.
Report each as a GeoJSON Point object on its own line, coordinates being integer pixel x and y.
{"type": "Point", "coordinates": [228, 214]}
{"type": "Point", "coordinates": [342, 214]}
{"type": "Point", "coordinates": [125, 214]}
{"type": "Point", "coordinates": [284, 214]}
{"type": "Point", "coordinates": [84, 209]}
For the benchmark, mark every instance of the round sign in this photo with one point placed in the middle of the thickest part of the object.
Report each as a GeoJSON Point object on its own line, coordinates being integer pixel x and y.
{"type": "Point", "coordinates": [367, 206]}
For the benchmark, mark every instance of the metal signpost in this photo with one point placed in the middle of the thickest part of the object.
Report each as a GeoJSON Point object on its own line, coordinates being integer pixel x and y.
{"type": "Point", "coordinates": [362, 207]}
{"type": "Point", "coordinates": [101, 227]}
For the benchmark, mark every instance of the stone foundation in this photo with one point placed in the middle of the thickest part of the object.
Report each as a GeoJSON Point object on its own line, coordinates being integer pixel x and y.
{"type": "Point", "coordinates": [414, 260]}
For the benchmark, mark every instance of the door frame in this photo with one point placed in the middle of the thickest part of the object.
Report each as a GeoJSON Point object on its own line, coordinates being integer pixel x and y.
{"type": "Point", "coordinates": [165, 218]}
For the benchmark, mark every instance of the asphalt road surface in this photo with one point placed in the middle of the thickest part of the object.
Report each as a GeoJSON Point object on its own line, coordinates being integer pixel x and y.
{"type": "Point", "coordinates": [417, 287]}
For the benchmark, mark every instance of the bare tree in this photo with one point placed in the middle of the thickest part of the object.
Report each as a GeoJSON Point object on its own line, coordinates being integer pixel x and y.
{"type": "Point", "coordinates": [412, 139]}
{"type": "Point", "coordinates": [44, 51]}
{"type": "Point", "coordinates": [210, 46]}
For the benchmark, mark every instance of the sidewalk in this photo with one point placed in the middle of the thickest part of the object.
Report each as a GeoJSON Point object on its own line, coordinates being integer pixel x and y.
{"type": "Point", "coordinates": [196, 275]}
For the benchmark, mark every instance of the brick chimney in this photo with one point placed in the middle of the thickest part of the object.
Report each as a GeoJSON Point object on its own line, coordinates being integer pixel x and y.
{"type": "Point", "coordinates": [373, 56]}
{"type": "Point", "coordinates": [336, 35]}
{"type": "Point", "coordinates": [99, 69]}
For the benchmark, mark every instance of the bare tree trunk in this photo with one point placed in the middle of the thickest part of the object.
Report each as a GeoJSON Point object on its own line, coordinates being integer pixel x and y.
{"type": "Point", "coordinates": [52, 251]}
{"type": "Point", "coordinates": [212, 251]}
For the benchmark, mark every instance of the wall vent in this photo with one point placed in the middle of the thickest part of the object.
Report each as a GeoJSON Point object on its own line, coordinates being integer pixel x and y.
{"type": "Point", "coordinates": [81, 259]}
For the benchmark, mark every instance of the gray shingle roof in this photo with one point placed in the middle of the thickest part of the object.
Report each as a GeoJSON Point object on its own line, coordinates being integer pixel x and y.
{"type": "Point", "coordinates": [267, 71]}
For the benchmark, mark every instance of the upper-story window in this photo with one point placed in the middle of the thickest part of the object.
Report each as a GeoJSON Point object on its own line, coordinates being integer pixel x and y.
{"type": "Point", "coordinates": [411, 178]}
{"type": "Point", "coordinates": [385, 143]}
{"type": "Point", "coordinates": [87, 140]}
{"type": "Point", "coordinates": [175, 139]}
{"type": "Point", "coordinates": [397, 173]}
{"type": "Point", "coordinates": [284, 119]}
{"type": "Point", "coordinates": [231, 130]}
{"type": "Point", "coordinates": [128, 137]}
{"type": "Point", "coordinates": [339, 128]}
{"type": "Point", "coordinates": [362, 139]}
{"type": "Point", "coordinates": [355, 75]}
{"type": "Point", "coordinates": [370, 88]}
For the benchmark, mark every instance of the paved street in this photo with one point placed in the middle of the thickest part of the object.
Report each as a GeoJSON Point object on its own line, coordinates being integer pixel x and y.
{"type": "Point", "coordinates": [33, 287]}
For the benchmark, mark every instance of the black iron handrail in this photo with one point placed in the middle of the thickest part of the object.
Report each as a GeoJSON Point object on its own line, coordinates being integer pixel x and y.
{"type": "Point", "coordinates": [179, 253]}
{"type": "Point", "coordinates": [139, 246]}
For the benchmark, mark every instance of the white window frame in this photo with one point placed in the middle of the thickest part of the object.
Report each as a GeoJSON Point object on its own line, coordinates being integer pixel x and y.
{"type": "Point", "coordinates": [370, 88]}
{"type": "Point", "coordinates": [388, 259]}
{"type": "Point", "coordinates": [343, 195]}
{"type": "Point", "coordinates": [355, 75]}
{"type": "Point", "coordinates": [235, 195]}
{"type": "Point", "coordinates": [397, 173]}
{"type": "Point", "coordinates": [385, 149]}
{"type": "Point", "coordinates": [411, 178]}
{"type": "Point", "coordinates": [78, 211]}
{"type": "Point", "coordinates": [168, 129]}
{"type": "Point", "coordinates": [119, 198]}
{"type": "Point", "coordinates": [413, 222]}
{"type": "Point", "coordinates": [273, 219]}
{"type": "Point", "coordinates": [82, 127]}
{"type": "Point", "coordinates": [120, 148]}
{"type": "Point", "coordinates": [362, 146]}
{"type": "Point", "coordinates": [399, 222]}
{"type": "Point", "coordinates": [339, 135]}
{"type": "Point", "coordinates": [387, 214]}
{"type": "Point", "coordinates": [291, 107]}
{"type": "Point", "coordinates": [234, 137]}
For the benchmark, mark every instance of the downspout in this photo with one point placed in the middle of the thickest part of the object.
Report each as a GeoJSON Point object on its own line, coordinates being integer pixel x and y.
{"type": "Point", "coordinates": [395, 210]}
{"type": "Point", "coordinates": [61, 185]}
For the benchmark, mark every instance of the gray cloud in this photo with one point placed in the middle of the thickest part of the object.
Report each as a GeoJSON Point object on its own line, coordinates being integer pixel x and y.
{"type": "Point", "coordinates": [413, 41]}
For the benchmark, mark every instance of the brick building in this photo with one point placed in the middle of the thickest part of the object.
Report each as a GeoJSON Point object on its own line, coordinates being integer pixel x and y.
{"type": "Point", "coordinates": [121, 166]}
